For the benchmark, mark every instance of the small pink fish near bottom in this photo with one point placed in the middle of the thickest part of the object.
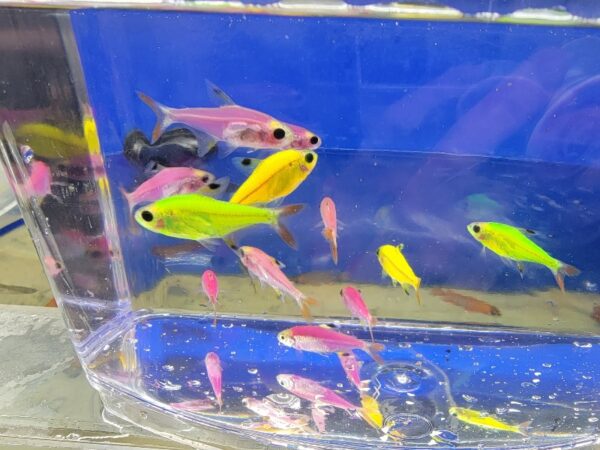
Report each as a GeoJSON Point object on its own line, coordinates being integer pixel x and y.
{"type": "Point", "coordinates": [215, 372]}
{"type": "Point", "coordinates": [352, 366]}
{"type": "Point", "coordinates": [210, 285]}
{"type": "Point", "coordinates": [319, 417]}
{"type": "Point", "coordinates": [53, 267]}
{"type": "Point", "coordinates": [313, 392]}
{"type": "Point", "coordinates": [329, 217]}
{"type": "Point", "coordinates": [201, 404]}
{"type": "Point", "coordinates": [358, 308]}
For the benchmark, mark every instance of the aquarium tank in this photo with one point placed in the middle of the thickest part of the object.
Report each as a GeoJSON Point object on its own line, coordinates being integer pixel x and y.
{"type": "Point", "coordinates": [318, 224]}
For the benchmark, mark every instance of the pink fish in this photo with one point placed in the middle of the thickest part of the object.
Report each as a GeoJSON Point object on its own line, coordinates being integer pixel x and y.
{"type": "Point", "coordinates": [39, 181]}
{"type": "Point", "coordinates": [320, 339]}
{"type": "Point", "coordinates": [351, 366]}
{"type": "Point", "coordinates": [170, 181]}
{"type": "Point", "coordinates": [236, 125]}
{"type": "Point", "coordinates": [329, 217]}
{"type": "Point", "coordinates": [276, 417]}
{"type": "Point", "coordinates": [312, 391]}
{"type": "Point", "coordinates": [268, 270]}
{"type": "Point", "coordinates": [53, 267]}
{"type": "Point", "coordinates": [356, 305]}
{"type": "Point", "coordinates": [214, 372]}
{"type": "Point", "coordinates": [210, 285]}
{"type": "Point", "coordinates": [304, 139]}
{"type": "Point", "coordinates": [201, 404]}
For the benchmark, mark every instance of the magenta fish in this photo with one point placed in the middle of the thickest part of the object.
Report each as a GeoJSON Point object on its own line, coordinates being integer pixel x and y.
{"type": "Point", "coordinates": [351, 366]}
{"type": "Point", "coordinates": [356, 305]}
{"type": "Point", "coordinates": [321, 339]}
{"type": "Point", "coordinates": [171, 181]}
{"type": "Point", "coordinates": [268, 270]}
{"type": "Point", "coordinates": [201, 404]}
{"type": "Point", "coordinates": [39, 181]}
{"type": "Point", "coordinates": [233, 124]}
{"type": "Point", "coordinates": [214, 372]}
{"type": "Point", "coordinates": [210, 285]}
{"type": "Point", "coordinates": [329, 217]}
{"type": "Point", "coordinates": [319, 417]}
{"type": "Point", "coordinates": [312, 391]}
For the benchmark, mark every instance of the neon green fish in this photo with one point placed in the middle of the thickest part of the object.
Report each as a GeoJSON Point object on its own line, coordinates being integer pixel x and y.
{"type": "Point", "coordinates": [481, 419]}
{"type": "Point", "coordinates": [200, 218]}
{"type": "Point", "coordinates": [512, 243]}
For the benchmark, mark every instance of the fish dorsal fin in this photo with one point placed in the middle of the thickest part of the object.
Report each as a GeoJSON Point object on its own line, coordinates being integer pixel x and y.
{"type": "Point", "coordinates": [326, 326]}
{"type": "Point", "coordinates": [218, 95]}
{"type": "Point", "coordinates": [400, 247]}
{"type": "Point", "coordinates": [279, 263]}
{"type": "Point", "coordinates": [528, 231]}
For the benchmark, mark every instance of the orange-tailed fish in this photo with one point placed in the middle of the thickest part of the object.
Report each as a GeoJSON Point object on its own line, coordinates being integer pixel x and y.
{"type": "Point", "coordinates": [512, 243]}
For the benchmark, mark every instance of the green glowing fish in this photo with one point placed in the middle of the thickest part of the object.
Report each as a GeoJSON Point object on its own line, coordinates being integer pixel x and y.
{"type": "Point", "coordinates": [200, 218]}
{"type": "Point", "coordinates": [512, 243]}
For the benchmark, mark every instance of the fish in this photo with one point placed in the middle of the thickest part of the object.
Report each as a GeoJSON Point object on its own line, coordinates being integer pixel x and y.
{"type": "Point", "coordinates": [27, 153]}
{"type": "Point", "coordinates": [210, 285]}
{"type": "Point", "coordinates": [319, 278]}
{"type": "Point", "coordinates": [168, 182]}
{"type": "Point", "coordinates": [52, 303]}
{"type": "Point", "coordinates": [329, 217]}
{"type": "Point", "coordinates": [201, 404]}
{"type": "Point", "coordinates": [352, 366]}
{"type": "Point", "coordinates": [469, 303]}
{"type": "Point", "coordinates": [234, 125]}
{"type": "Point", "coordinates": [596, 313]}
{"type": "Point", "coordinates": [175, 148]}
{"type": "Point", "coordinates": [483, 420]}
{"type": "Point", "coordinates": [319, 417]}
{"type": "Point", "coordinates": [276, 417]}
{"type": "Point", "coordinates": [215, 372]}
{"type": "Point", "coordinates": [40, 178]}
{"type": "Point", "coordinates": [268, 270]}
{"type": "Point", "coordinates": [275, 177]}
{"type": "Point", "coordinates": [200, 218]}
{"type": "Point", "coordinates": [354, 303]}
{"type": "Point", "coordinates": [303, 139]}
{"type": "Point", "coordinates": [53, 267]}
{"type": "Point", "coordinates": [444, 437]}
{"type": "Point", "coordinates": [320, 339]}
{"type": "Point", "coordinates": [371, 412]}
{"type": "Point", "coordinates": [175, 251]}
{"type": "Point", "coordinates": [395, 266]}
{"type": "Point", "coordinates": [314, 392]}
{"type": "Point", "coordinates": [512, 243]}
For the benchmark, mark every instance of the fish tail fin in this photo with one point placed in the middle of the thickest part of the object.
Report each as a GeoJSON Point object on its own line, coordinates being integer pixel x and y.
{"type": "Point", "coordinates": [524, 427]}
{"type": "Point", "coordinates": [371, 324]}
{"type": "Point", "coordinates": [562, 270]}
{"type": "Point", "coordinates": [304, 307]}
{"type": "Point", "coordinates": [417, 290]}
{"type": "Point", "coordinates": [329, 237]}
{"type": "Point", "coordinates": [163, 117]}
{"type": "Point", "coordinates": [373, 350]}
{"type": "Point", "coordinates": [281, 229]}
{"type": "Point", "coordinates": [133, 229]}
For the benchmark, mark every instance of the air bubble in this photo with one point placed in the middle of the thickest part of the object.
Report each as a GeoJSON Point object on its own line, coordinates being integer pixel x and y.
{"type": "Point", "coordinates": [582, 344]}
{"type": "Point", "coordinates": [253, 371]}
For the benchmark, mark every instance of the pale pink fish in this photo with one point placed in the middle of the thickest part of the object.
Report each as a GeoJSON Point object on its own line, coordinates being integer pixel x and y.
{"type": "Point", "coordinates": [201, 404]}
{"type": "Point", "coordinates": [236, 125]}
{"type": "Point", "coordinates": [321, 339]}
{"type": "Point", "coordinates": [313, 392]}
{"type": "Point", "coordinates": [214, 372]}
{"type": "Point", "coordinates": [167, 182]}
{"type": "Point", "coordinates": [53, 267]}
{"type": "Point", "coordinates": [39, 181]}
{"type": "Point", "coordinates": [358, 308]}
{"type": "Point", "coordinates": [351, 366]}
{"type": "Point", "coordinates": [303, 138]}
{"type": "Point", "coordinates": [329, 217]}
{"type": "Point", "coordinates": [276, 417]}
{"type": "Point", "coordinates": [268, 270]}
{"type": "Point", "coordinates": [210, 285]}
{"type": "Point", "coordinates": [319, 417]}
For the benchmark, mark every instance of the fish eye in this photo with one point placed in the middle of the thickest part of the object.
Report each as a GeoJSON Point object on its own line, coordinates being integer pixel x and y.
{"type": "Point", "coordinates": [58, 265]}
{"type": "Point", "coordinates": [246, 162]}
{"type": "Point", "coordinates": [147, 216]}
{"type": "Point", "coordinates": [214, 186]}
{"type": "Point", "coordinates": [309, 157]}
{"type": "Point", "coordinates": [476, 228]}
{"type": "Point", "coordinates": [205, 179]}
{"type": "Point", "coordinates": [314, 140]}
{"type": "Point", "coordinates": [279, 133]}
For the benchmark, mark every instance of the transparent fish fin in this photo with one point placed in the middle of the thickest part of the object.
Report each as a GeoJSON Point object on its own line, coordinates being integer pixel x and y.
{"type": "Point", "coordinates": [528, 231]}
{"type": "Point", "coordinates": [521, 269]}
{"type": "Point", "coordinates": [209, 244]}
{"type": "Point", "coordinates": [206, 143]}
{"type": "Point", "coordinates": [218, 95]}
{"type": "Point", "coordinates": [226, 149]}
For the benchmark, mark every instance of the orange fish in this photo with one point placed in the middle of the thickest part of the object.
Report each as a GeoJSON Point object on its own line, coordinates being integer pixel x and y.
{"type": "Point", "coordinates": [470, 304]}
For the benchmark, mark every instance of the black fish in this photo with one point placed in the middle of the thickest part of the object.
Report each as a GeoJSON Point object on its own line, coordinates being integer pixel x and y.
{"type": "Point", "coordinates": [175, 148]}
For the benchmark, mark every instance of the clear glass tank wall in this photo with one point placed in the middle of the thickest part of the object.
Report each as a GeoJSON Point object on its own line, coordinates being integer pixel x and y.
{"type": "Point", "coordinates": [215, 196]}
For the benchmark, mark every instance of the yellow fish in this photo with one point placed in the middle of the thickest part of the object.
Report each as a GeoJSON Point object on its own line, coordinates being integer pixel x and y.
{"type": "Point", "coordinates": [512, 243]}
{"type": "Point", "coordinates": [483, 420]}
{"type": "Point", "coordinates": [395, 266]}
{"type": "Point", "coordinates": [275, 177]}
